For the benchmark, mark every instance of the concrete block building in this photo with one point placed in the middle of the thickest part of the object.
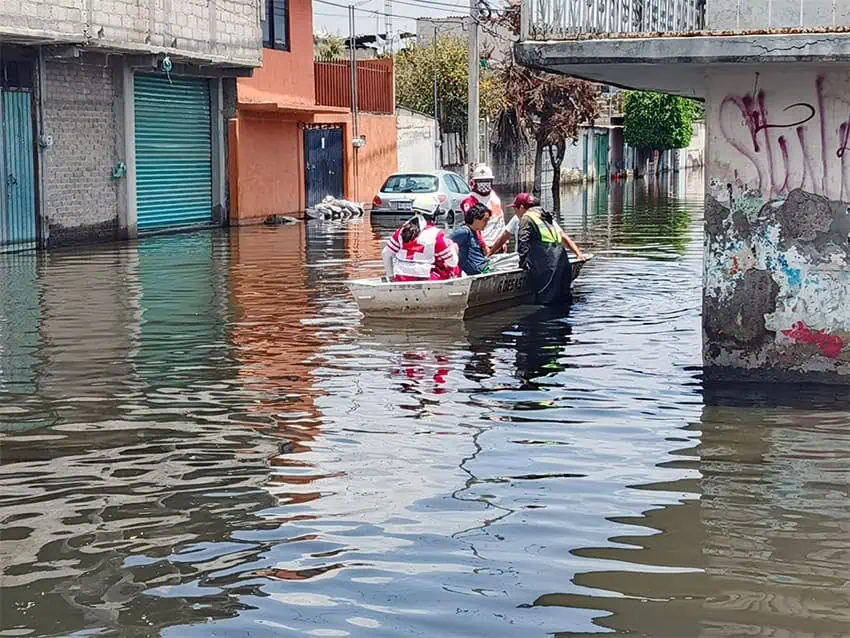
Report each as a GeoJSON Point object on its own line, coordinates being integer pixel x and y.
{"type": "Point", "coordinates": [114, 114]}
{"type": "Point", "coordinates": [774, 75]}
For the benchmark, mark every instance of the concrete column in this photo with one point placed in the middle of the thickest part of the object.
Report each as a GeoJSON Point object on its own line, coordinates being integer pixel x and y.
{"type": "Point", "coordinates": [129, 221]}
{"type": "Point", "coordinates": [776, 302]}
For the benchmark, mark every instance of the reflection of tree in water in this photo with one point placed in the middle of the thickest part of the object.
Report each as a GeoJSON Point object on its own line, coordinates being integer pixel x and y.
{"type": "Point", "coordinates": [631, 212]}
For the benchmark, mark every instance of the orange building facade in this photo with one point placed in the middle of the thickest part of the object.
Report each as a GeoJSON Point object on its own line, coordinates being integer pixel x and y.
{"type": "Point", "coordinates": [275, 164]}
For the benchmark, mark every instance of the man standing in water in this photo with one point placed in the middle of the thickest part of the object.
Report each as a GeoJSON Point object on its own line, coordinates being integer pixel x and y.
{"type": "Point", "coordinates": [542, 248]}
{"type": "Point", "coordinates": [483, 193]}
{"type": "Point", "coordinates": [523, 203]}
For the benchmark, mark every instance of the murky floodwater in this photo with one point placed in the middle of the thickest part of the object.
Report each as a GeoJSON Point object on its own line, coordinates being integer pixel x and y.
{"type": "Point", "coordinates": [201, 438]}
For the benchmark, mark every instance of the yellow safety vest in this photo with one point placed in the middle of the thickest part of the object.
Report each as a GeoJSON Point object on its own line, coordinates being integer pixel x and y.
{"type": "Point", "coordinates": [548, 234]}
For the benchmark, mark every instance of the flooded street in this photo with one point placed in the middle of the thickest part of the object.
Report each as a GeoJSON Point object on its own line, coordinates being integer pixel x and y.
{"type": "Point", "coordinates": [200, 437]}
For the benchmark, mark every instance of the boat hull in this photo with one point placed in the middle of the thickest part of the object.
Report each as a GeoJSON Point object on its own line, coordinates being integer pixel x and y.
{"type": "Point", "coordinates": [450, 299]}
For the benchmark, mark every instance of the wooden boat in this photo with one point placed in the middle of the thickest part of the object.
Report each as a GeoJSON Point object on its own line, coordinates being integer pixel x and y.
{"type": "Point", "coordinates": [461, 298]}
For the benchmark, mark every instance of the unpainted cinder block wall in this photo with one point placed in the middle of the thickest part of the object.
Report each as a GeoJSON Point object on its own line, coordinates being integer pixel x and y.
{"type": "Point", "coordinates": [83, 113]}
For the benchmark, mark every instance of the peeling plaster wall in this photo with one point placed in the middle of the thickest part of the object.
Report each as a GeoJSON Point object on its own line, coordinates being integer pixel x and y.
{"type": "Point", "coordinates": [777, 265]}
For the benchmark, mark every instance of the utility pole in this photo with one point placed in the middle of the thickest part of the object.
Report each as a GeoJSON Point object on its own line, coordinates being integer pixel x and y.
{"type": "Point", "coordinates": [352, 54]}
{"type": "Point", "coordinates": [472, 134]}
{"type": "Point", "coordinates": [437, 163]}
{"type": "Point", "coordinates": [388, 24]}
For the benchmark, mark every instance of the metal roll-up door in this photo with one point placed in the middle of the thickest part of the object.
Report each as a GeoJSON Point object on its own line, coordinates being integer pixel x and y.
{"type": "Point", "coordinates": [173, 152]}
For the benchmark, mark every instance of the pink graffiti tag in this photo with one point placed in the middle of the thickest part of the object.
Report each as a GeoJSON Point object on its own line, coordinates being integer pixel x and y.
{"type": "Point", "coordinates": [756, 117]}
{"type": "Point", "coordinates": [830, 345]}
{"type": "Point", "coordinates": [771, 153]}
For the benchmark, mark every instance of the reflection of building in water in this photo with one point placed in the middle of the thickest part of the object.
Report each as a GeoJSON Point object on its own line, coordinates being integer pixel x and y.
{"type": "Point", "coordinates": [143, 463]}
{"type": "Point", "coordinates": [363, 250]}
{"type": "Point", "coordinates": [272, 337]}
{"type": "Point", "coordinates": [20, 324]}
{"type": "Point", "coordinates": [86, 334]}
{"type": "Point", "coordinates": [764, 550]}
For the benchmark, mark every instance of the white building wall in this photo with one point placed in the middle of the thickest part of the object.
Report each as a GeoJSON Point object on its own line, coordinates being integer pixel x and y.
{"type": "Point", "coordinates": [416, 142]}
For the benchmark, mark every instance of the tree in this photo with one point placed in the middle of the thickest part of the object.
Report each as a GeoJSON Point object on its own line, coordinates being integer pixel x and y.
{"type": "Point", "coordinates": [544, 107]}
{"type": "Point", "coordinates": [414, 72]}
{"type": "Point", "coordinates": [658, 122]}
{"type": "Point", "coordinates": [331, 48]}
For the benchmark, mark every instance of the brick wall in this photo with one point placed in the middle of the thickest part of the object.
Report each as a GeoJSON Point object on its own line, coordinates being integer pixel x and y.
{"type": "Point", "coordinates": [220, 31]}
{"type": "Point", "coordinates": [82, 113]}
{"type": "Point", "coordinates": [58, 19]}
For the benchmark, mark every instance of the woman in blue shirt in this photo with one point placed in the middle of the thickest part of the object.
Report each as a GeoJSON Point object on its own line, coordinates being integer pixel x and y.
{"type": "Point", "coordinates": [472, 251]}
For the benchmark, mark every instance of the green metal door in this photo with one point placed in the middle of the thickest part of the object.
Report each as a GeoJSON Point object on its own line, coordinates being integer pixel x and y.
{"type": "Point", "coordinates": [17, 170]}
{"type": "Point", "coordinates": [173, 152]}
{"type": "Point", "coordinates": [601, 155]}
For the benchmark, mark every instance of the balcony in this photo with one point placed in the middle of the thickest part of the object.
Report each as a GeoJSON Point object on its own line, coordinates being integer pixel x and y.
{"type": "Point", "coordinates": [375, 85]}
{"type": "Point", "coordinates": [670, 45]}
{"type": "Point", "coordinates": [566, 19]}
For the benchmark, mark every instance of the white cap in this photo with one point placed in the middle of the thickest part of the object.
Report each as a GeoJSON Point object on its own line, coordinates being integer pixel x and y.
{"type": "Point", "coordinates": [482, 173]}
{"type": "Point", "coordinates": [426, 205]}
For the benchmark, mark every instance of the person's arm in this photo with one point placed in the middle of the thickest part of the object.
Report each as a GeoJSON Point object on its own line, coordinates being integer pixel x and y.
{"type": "Point", "coordinates": [526, 230]}
{"type": "Point", "coordinates": [500, 243]}
{"type": "Point", "coordinates": [446, 252]}
{"type": "Point", "coordinates": [392, 246]}
{"type": "Point", "coordinates": [571, 245]}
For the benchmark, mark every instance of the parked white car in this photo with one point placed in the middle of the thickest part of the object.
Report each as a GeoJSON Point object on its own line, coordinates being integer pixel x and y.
{"type": "Point", "coordinates": [398, 192]}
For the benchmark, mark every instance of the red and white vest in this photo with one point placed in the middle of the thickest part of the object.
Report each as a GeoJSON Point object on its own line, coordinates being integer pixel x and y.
{"type": "Point", "coordinates": [416, 258]}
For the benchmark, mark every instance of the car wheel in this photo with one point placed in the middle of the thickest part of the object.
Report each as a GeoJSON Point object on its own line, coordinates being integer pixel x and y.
{"type": "Point", "coordinates": [450, 217]}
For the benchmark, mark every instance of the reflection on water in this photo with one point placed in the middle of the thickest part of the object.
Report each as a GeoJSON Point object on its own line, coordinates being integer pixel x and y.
{"type": "Point", "coordinates": [201, 437]}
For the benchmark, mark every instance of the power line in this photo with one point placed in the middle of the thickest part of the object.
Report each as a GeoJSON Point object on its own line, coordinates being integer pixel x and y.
{"type": "Point", "coordinates": [487, 28]}
{"type": "Point", "coordinates": [370, 11]}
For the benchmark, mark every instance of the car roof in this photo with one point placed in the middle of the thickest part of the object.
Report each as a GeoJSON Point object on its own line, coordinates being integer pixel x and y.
{"type": "Point", "coordinates": [429, 173]}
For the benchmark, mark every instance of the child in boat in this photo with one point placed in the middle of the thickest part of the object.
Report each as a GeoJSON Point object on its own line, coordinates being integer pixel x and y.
{"type": "Point", "coordinates": [419, 250]}
{"type": "Point", "coordinates": [472, 250]}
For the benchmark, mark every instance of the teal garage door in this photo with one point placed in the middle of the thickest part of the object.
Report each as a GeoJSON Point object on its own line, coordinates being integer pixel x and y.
{"type": "Point", "coordinates": [173, 152]}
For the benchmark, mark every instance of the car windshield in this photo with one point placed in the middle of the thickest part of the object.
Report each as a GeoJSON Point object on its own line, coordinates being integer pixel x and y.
{"type": "Point", "coordinates": [411, 184]}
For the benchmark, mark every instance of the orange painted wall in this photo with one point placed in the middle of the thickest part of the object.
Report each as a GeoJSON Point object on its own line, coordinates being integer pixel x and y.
{"type": "Point", "coordinates": [289, 75]}
{"type": "Point", "coordinates": [269, 169]}
{"type": "Point", "coordinates": [379, 158]}
{"type": "Point", "coordinates": [269, 163]}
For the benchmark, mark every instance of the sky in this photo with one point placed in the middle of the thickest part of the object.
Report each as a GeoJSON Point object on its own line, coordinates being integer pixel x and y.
{"type": "Point", "coordinates": [332, 19]}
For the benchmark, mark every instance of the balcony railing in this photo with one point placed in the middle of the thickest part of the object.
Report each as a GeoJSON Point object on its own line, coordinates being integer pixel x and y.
{"type": "Point", "coordinates": [375, 88]}
{"type": "Point", "coordinates": [563, 19]}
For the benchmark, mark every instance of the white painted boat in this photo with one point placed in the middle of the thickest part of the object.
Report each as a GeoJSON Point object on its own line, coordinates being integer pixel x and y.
{"type": "Point", "coordinates": [465, 297]}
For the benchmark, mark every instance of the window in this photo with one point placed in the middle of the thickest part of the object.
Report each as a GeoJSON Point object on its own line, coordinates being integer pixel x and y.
{"type": "Point", "coordinates": [451, 184]}
{"type": "Point", "coordinates": [276, 25]}
{"type": "Point", "coordinates": [461, 185]}
{"type": "Point", "coordinates": [411, 184]}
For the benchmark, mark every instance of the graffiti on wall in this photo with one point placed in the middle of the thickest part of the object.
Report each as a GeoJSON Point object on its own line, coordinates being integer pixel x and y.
{"type": "Point", "coordinates": [777, 268]}
{"type": "Point", "coordinates": [791, 144]}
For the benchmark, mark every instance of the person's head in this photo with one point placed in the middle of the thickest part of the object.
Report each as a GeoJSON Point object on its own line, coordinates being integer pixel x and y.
{"type": "Point", "coordinates": [426, 208]}
{"type": "Point", "coordinates": [477, 216]}
{"type": "Point", "coordinates": [482, 180]}
{"type": "Point", "coordinates": [522, 203]}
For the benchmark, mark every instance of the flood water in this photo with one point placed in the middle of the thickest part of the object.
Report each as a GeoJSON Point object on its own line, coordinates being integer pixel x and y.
{"type": "Point", "coordinates": [200, 437]}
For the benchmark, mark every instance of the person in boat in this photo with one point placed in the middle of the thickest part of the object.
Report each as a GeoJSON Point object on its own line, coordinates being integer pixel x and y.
{"type": "Point", "coordinates": [420, 251]}
{"type": "Point", "coordinates": [483, 193]}
{"type": "Point", "coordinates": [542, 248]}
{"type": "Point", "coordinates": [472, 249]}
{"type": "Point", "coordinates": [521, 204]}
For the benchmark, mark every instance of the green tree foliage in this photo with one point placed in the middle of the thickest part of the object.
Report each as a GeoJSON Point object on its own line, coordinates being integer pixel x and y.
{"type": "Point", "coordinates": [543, 107]}
{"type": "Point", "coordinates": [331, 48]}
{"type": "Point", "coordinates": [414, 73]}
{"type": "Point", "coordinates": [658, 122]}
